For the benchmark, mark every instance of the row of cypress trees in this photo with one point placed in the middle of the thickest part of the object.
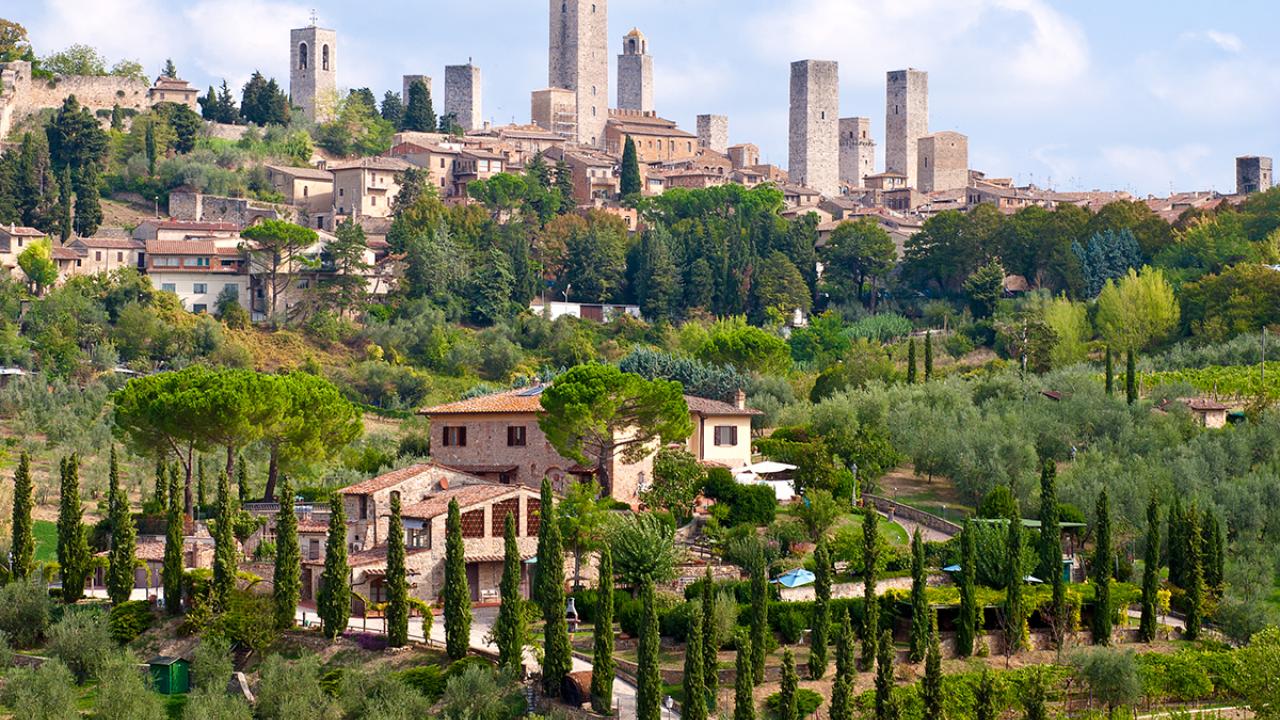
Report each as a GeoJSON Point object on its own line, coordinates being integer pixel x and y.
{"type": "Point", "coordinates": [928, 358]}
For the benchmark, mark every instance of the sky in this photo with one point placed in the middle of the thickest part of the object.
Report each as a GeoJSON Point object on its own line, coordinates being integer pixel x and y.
{"type": "Point", "coordinates": [1138, 95]}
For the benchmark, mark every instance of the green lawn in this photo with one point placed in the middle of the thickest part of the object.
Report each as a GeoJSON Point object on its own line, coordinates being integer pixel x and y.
{"type": "Point", "coordinates": [46, 541]}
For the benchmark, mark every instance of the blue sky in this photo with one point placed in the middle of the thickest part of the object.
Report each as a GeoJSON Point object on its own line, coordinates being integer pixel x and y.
{"type": "Point", "coordinates": [1142, 96]}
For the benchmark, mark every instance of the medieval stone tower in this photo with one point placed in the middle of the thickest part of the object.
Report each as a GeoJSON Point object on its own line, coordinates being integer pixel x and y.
{"type": "Point", "coordinates": [943, 161]}
{"type": "Point", "coordinates": [313, 71]}
{"type": "Point", "coordinates": [462, 95]}
{"type": "Point", "coordinates": [635, 73]}
{"type": "Point", "coordinates": [814, 136]}
{"type": "Point", "coordinates": [580, 62]}
{"type": "Point", "coordinates": [713, 133]}
{"type": "Point", "coordinates": [906, 120]}
{"type": "Point", "coordinates": [857, 151]}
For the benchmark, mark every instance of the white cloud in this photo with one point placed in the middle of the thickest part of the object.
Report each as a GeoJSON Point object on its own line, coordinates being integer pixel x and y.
{"type": "Point", "coordinates": [1225, 41]}
{"type": "Point", "coordinates": [1156, 169]}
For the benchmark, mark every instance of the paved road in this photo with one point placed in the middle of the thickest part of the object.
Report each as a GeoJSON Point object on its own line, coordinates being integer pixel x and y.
{"type": "Point", "coordinates": [926, 533]}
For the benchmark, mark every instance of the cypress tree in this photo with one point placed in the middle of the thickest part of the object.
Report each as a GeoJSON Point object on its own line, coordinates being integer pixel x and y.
{"type": "Point", "coordinates": [1177, 544]}
{"type": "Point", "coordinates": [73, 547]}
{"type": "Point", "coordinates": [1213, 561]}
{"type": "Point", "coordinates": [759, 616]}
{"type": "Point", "coordinates": [966, 625]}
{"type": "Point", "coordinates": [200, 495]}
{"type": "Point", "coordinates": [602, 665]}
{"type": "Point", "coordinates": [242, 484]}
{"type": "Point", "coordinates": [171, 572]}
{"type": "Point", "coordinates": [744, 704]}
{"type": "Point", "coordinates": [928, 355]}
{"type": "Point", "coordinates": [984, 696]}
{"type": "Point", "coordinates": [1130, 377]}
{"type": "Point", "coordinates": [419, 115]}
{"type": "Point", "coordinates": [161, 495]}
{"type": "Point", "coordinates": [911, 361]}
{"type": "Point", "coordinates": [886, 709]}
{"type": "Point", "coordinates": [286, 580]}
{"type": "Point", "coordinates": [545, 503]}
{"type": "Point", "coordinates": [1150, 573]}
{"type": "Point", "coordinates": [558, 655]}
{"type": "Point", "coordinates": [787, 708]}
{"type": "Point", "coordinates": [457, 594]}
{"type": "Point", "coordinates": [1111, 373]}
{"type": "Point", "coordinates": [629, 185]}
{"type": "Point", "coordinates": [397, 580]}
{"type": "Point", "coordinates": [1016, 617]}
{"type": "Point", "coordinates": [845, 660]}
{"type": "Point", "coordinates": [931, 687]}
{"type": "Point", "coordinates": [224, 554]}
{"type": "Point", "coordinates": [64, 204]}
{"type": "Point", "coordinates": [695, 691]}
{"type": "Point", "coordinates": [24, 539]}
{"type": "Point", "coordinates": [1050, 527]}
{"type": "Point", "coordinates": [842, 689]}
{"type": "Point", "coordinates": [919, 604]}
{"type": "Point", "coordinates": [821, 612]}
{"type": "Point", "coordinates": [648, 677]}
{"type": "Point", "coordinates": [710, 642]}
{"type": "Point", "coordinates": [841, 699]}
{"type": "Point", "coordinates": [149, 145]}
{"type": "Point", "coordinates": [509, 629]}
{"type": "Point", "coordinates": [1195, 577]}
{"type": "Point", "coordinates": [870, 602]}
{"type": "Point", "coordinates": [1103, 557]}
{"type": "Point", "coordinates": [333, 602]}
{"type": "Point", "coordinates": [124, 538]}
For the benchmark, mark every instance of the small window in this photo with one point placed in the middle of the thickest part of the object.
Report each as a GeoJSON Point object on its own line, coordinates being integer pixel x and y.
{"type": "Point", "coordinates": [200, 288]}
{"type": "Point", "coordinates": [726, 435]}
{"type": "Point", "coordinates": [168, 287]}
{"type": "Point", "coordinates": [324, 51]}
{"type": "Point", "coordinates": [79, 262]}
{"type": "Point", "coordinates": [120, 257]}
{"type": "Point", "coordinates": [313, 549]}
{"type": "Point", "coordinates": [374, 201]}
{"type": "Point", "coordinates": [199, 308]}
{"type": "Point", "coordinates": [340, 192]}
{"type": "Point", "coordinates": [97, 256]}
{"type": "Point", "coordinates": [232, 289]}
{"type": "Point", "coordinates": [516, 436]}
{"type": "Point", "coordinates": [305, 191]}
{"type": "Point", "coordinates": [455, 436]}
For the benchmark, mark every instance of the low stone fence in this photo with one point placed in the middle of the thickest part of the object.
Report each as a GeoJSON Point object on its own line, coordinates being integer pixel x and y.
{"type": "Point", "coordinates": [893, 508]}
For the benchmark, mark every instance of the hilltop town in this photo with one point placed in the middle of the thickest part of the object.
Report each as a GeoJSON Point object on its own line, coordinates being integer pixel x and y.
{"type": "Point", "coordinates": [334, 402]}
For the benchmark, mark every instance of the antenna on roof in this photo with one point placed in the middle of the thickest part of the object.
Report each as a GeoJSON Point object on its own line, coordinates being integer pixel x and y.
{"type": "Point", "coordinates": [313, 17]}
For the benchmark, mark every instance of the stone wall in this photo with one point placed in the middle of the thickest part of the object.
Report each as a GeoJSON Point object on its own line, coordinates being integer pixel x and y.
{"type": "Point", "coordinates": [713, 132]}
{"type": "Point", "coordinates": [857, 150]}
{"type": "Point", "coordinates": [814, 132]}
{"type": "Point", "coordinates": [24, 94]}
{"type": "Point", "coordinates": [462, 95]}
{"type": "Point", "coordinates": [943, 160]}
{"type": "Point", "coordinates": [197, 207]}
{"type": "Point", "coordinates": [635, 82]}
{"type": "Point", "coordinates": [906, 120]}
{"type": "Point", "coordinates": [578, 61]}
{"type": "Point", "coordinates": [920, 517]}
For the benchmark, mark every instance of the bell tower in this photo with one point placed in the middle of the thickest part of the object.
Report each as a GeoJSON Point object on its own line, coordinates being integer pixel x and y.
{"type": "Point", "coordinates": [313, 71]}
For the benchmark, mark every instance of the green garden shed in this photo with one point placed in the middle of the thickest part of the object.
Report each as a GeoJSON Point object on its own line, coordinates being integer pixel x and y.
{"type": "Point", "coordinates": [170, 675]}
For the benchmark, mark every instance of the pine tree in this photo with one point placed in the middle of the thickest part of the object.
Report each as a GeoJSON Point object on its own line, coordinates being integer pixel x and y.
{"type": "Point", "coordinates": [286, 580]}
{"type": "Point", "coordinates": [333, 602]}
{"type": "Point", "coordinates": [744, 704]}
{"type": "Point", "coordinates": [161, 495]}
{"type": "Point", "coordinates": [1103, 559]}
{"type": "Point", "coordinates": [928, 355]}
{"type": "Point", "coordinates": [787, 708]}
{"type": "Point", "coordinates": [759, 616]}
{"type": "Point", "coordinates": [225, 551]}
{"type": "Point", "coordinates": [171, 572]}
{"type": "Point", "coordinates": [397, 579]}
{"type": "Point", "coordinates": [630, 185]}
{"type": "Point", "coordinates": [1150, 573]}
{"type": "Point", "coordinates": [457, 594]}
{"type": "Point", "coordinates": [821, 612]}
{"type": "Point", "coordinates": [124, 538]}
{"type": "Point", "coordinates": [1015, 614]}
{"type": "Point", "coordinates": [419, 115]}
{"type": "Point", "coordinates": [695, 691]}
{"type": "Point", "coordinates": [1130, 377]}
{"type": "Point", "coordinates": [602, 664]}
{"type": "Point", "coordinates": [73, 546]}
{"type": "Point", "coordinates": [870, 601]}
{"type": "Point", "coordinates": [557, 654]}
{"type": "Point", "coordinates": [564, 184]}
{"type": "Point", "coordinates": [931, 687]}
{"type": "Point", "coordinates": [984, 696]}
{"type": "Point", "coordinates": [1195, 577]}
{"type": "Point", "coordinates": [967, 624]}
{"type": "Point", "coordinates": [911, 361]}
{"type": "Point", "coordinates": [919, 604]}
{"type": "Point", "coordinates": [23, 540]}
{"type": "Point", "coordinates": [392, 108]}
{"type": "Point", "coordinates": [886, 708]}
{"type": "Point", "coordinates": [710, 642]}
{"type": "Point", "coordinates": [1111, 373]}
{"type": "Point", "coordinates": [648, 674]}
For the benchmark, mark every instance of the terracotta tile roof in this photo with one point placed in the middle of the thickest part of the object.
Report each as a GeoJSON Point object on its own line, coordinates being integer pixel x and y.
{"type": "Point", "coordinates": [522, 400]}
{"type": "Point", "coordinates": [312, 526]}
{"type": "Point", "coordinates": [372, 163]}
{"type": "Point", "coordinates": [1205, 405]}
{"type": "Point", "coordinates": [64, 253]}
{"type": "Point", "coordinates": [308, 172]}
{"type": "Point", "coordinates": [190, 225]}
{"type": "Point", "coordinates": [386, 480]}
{"type": "Point", "coordinates": [478, 154]}
{"type": "Point", "coordinates": [467, 495]}
{"type": "Point", "coordinates": [374, 556]}
{"type": "Point", "coordinates": [110, 243]}
{"type": "Point", "coordinates": [181, 247]}
{"type": "Point", "coordinates": [20, 231]}
{"type": "Point", "coordinates": [705, 406]}
{"type": "Point", "coordinates": [150, 551]}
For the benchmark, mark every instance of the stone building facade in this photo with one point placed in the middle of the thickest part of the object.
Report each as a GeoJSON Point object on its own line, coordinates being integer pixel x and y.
{"type": "Point", "coordinates": [906, 120]}
{"type": "Point", "coordinates": [713, 133]}
{"type": "Point", "coordinates": [943, 162]}
{"type": "Point", "coordinates": [857, 151]}
{"type": "Point", "coordinates": [635, 73]}
{"type": "Point", "coordinates": [744, 155]}
{"type": "Point", "coordinates": [313, 71]}
{"type": "Point", "coordinates": [462, 95]}
{"type": "Point", "coordinates": [814, 132]}
{"type": "Point", "coordinates": [579, 45]}
{"type": "Point", "coordinates": [555, 110]}
{"type": "Point", "coordinates": [1253, 174]}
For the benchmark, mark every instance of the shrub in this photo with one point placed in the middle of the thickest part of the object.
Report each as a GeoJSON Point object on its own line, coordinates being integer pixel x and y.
{"type": "Point", "coordinates": [379, 695]}
{"type": "Point", "coordinates": [82, 642]}
{"type": "Point", "coordinates": [130, 619]}
{"type": "Point", "coordinates": [480, 693]}
{"type": "Point", "coordinates": [44, 693]}
{"type": "Point", "coordinates": [753, 505]}
{"type": "Point", "coordinates": [123, 693]}
{"type": "Point", "coordinates": [427, 679]}
{"type": "Point", "coordinates": [290, 690]}
{"type": "Point", "coordinates": [212, 665]}
{"type": "Point", "coordinates": [957, 345]}
{"type": "Point", "coordinates": [807, 702]}
{"type": "Point", "coordinates": [6, 651]}
{"type": "Point", "coordinates": [24, 611]}
{"type": "Point", "coordinates": [789, 621]}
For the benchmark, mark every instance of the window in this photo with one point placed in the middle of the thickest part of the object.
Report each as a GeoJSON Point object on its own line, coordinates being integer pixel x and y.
{"type": "Point", "coordinates": [515, 436]}
{"type": "Point", "coordinates": [200, 288]}
{"type": "Point", "coordinates": [364, 507]}
{"type": "Point", "coordinates": [302, 56]}
{"type": "Point", "coordinates": [441, 163]}
{"type": "Point", "coordinates": [324, 57]}
{"type": "Point", "coordinates": [473, 524]}
{"type": "Point", "coordinates": [419, 537]}
{"type": "Point", "coordinates": [119, 257]}
{"type": "Point", "coordinates": [340, 192]}
{"type": "Point", "coordinates": [305, 191]}
{"type": "Point", "coordinates": [165, 261]}
{"type": "Point", "coordinates": [199, 308]}
{"type": "Point", "coordinates": [726, 435]}
{"type": "Point", "coordinates": [313, 549]}
{"type": "Point", "coordinates": [168, 287]}
{"type": "Point", "coordinates": [455, 436]}
{"type": "Point", "coordinates": [374, 201]}
{"type": "Point", "coordinates": [232, 289]}
{"type": "Point", "coordinates": [500, 512]}
{"type": "Point", "coordinates": [228, 263]}
{"type": "Point", "coordinates": [97, 256]}
{"type": "Point", "coordinates": [79, 262]}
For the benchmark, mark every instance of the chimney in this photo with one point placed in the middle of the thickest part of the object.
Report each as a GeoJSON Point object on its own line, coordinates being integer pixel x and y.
{"type": "Point", "coordinates": [740, 399]}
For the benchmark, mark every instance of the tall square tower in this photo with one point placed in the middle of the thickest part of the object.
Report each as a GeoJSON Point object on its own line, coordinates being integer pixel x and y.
{"type": "Point", "coordinates": [815, 133]}
{"type": "Point", "coordinates": [313, 71]}
{"type": "Point", "coordinates": [943, 161]}
{"type": "Point", "coordinates": [462, 95]}
{"type": "Point", "coordinates": [579, 62]}
{"type": "Point", "coordinates": [713, 133]}
{"type": "Point", "coordinates": [1253, 174]}
{"type": "Point", "coordinates": [857, 151]}
{"type": "Point", "coordinates": [906, 120]}
{"type": "Point", "coordinates": [635, 73]}
{"type": "Point", "coordinates": [408, 80]}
